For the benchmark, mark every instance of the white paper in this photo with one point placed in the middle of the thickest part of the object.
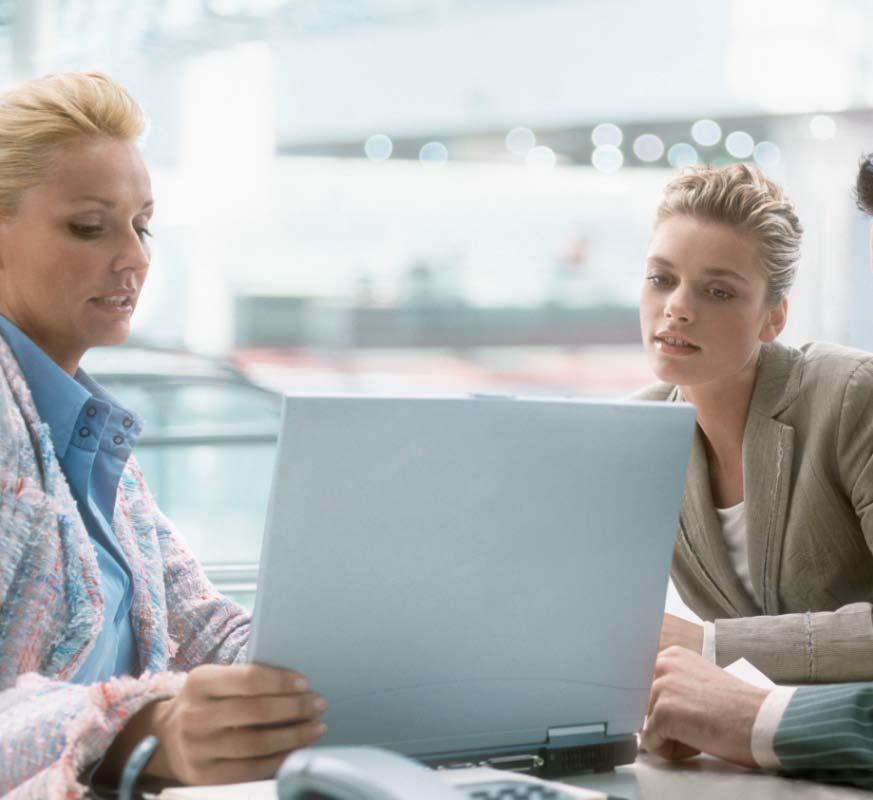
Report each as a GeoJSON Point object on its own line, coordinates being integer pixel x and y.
{"type": "Point", "coordinates": [749, 673]}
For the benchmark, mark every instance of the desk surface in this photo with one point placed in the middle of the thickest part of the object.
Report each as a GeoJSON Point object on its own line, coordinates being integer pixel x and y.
{"type": "Point", "coordinates": [651, 778]}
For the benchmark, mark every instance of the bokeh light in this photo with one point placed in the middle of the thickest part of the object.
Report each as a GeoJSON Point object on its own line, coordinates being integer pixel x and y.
{"type": "Point", "coordinates": [823, 127]}
{"type": "Point", "coordinates": [648, 147]}
{"type": "Point", "coordinates": [706, 132]}
{"type": "Point", "coordinates": [607, 134]}
{"type": "Point", "coordinates": [541, 157]}
{"type": "Point", "coordinates": [739, 144]}
{"type": "Point", "coordinates": [378, 147]}
{"type": "Point", "coordinates": [682, 155]}
{"type": "Point", "coordinates": [607, 158]}
{"type": "Point", "coordinates": [520, 140]}
{"type": "Point", "coordinates": [433, 153]}
{"type": "Point", "coordinates": [767, 155]}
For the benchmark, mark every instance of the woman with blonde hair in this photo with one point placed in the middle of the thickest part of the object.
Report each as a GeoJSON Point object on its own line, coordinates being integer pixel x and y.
{"type": "Point", "coordinates": [775, 542]}
{"type": "Point", "coordinates": [109, 629]}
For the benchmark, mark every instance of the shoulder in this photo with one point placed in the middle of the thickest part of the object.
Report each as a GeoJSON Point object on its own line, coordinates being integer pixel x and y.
{"type": "Point", "coordinates": [833, 375]}
{"type": "Point", "coordinates": [822, 360]}
{"type": "Point", "coordinates": [657, 392]}
{"type": "Point", "coordinates": [814, 376]}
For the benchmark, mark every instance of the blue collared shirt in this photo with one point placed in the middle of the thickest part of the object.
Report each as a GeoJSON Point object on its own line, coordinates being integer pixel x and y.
{"type": "Point", "coordinates": [93, 437]}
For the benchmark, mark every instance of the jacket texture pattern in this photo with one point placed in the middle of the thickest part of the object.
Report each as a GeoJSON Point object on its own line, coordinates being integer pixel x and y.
{"type": "Point", "coordinates": [51, 610]}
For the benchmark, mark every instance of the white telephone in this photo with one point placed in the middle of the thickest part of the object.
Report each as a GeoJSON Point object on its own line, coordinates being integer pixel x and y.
{"type": "Point", "coordinates": [371, 773]}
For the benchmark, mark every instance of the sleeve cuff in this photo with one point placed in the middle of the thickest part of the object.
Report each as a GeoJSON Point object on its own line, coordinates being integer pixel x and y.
{"type": "Point", "coordinates": [766, 723]}
{"type": "Point", "coordinates": [708, 651]}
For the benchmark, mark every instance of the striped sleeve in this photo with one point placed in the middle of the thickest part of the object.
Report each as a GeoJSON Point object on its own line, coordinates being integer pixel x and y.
{"type": "Point", "coordinates": [826, 734]}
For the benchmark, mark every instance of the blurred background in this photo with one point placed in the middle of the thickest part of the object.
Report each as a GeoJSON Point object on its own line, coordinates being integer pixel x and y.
{"type": "Point", "coordinates": [445, 196]}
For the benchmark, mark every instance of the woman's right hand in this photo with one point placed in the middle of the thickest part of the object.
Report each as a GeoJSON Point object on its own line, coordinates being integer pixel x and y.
{"type": "Point", "coordinates": [228, 724]}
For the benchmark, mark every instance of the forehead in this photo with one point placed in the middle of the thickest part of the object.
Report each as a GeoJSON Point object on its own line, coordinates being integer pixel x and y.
{"type": "Point", "coordinates": [688, 242]}
{"type": "Point", "coordinates": [95, 167]}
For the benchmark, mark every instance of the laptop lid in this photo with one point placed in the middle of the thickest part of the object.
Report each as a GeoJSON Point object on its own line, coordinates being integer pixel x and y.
{"type": "Point", "coordinates": [456, 574]}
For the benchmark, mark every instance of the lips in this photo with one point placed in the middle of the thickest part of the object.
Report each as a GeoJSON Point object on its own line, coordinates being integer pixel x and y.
{"type": "Point", "coordinates": [119, 301]}
{"type": "Point", "coordinates": [119, 294]}
{"type": "Point", "coordinates": [674, 339]}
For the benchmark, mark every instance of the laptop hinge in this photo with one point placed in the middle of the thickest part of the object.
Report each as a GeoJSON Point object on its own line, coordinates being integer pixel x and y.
{"type": "Point", "coordinates": [570, 735]}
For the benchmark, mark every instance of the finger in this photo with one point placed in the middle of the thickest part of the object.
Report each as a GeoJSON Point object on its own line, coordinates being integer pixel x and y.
{"type": "Point", "coordinates": [651, 739]}
{"type": "Point", "coordinates": [240, 712]}
{"type": "Point", "coordinates": [654, 695]}
{"type": "Point", "coordinates": [238, 770]}
{"type": "Point", "coordinates": [680, 751]}
{"type": "Point", "coordinates": [654, 739]}
{"type": "Point", "coordinates": [255, 743]}
{"type": "Point", "coordinates": [235, 680]}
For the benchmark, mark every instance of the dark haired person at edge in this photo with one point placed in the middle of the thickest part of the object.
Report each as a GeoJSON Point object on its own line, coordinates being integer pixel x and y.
{"type": "Point", "coordinates": [109, 629]}
{"type": "Point", "coordinates": [822, 732]}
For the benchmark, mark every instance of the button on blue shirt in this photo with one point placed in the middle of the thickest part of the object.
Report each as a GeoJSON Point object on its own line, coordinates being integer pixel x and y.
{"type": "Point", "coordinates": [93, 437]}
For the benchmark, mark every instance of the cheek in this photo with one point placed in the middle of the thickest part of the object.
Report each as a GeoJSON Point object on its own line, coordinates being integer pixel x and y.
{"type": "Point", "coordinates": [737, 332]}
{"type": "Point", "coordinates": [649, 305]}
{"type": "Point", "coordinates": [55, 278]}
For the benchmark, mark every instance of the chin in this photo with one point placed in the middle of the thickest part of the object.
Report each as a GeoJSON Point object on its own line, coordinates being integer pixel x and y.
{"type": "Point", "coordinates": [110, 338]}
{"type": "Point", "coordinates": [677, 374]}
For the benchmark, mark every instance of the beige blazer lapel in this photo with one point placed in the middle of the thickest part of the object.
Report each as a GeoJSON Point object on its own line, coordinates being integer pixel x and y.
{"type": "Point", "coordinates": [701, 537]}
{"type": "Point", "coordinates": [768, 453]}
{"type": "Point", "coordinates": [700, 546]}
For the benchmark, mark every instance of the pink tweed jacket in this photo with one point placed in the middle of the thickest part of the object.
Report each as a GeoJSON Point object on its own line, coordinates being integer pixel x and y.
{"type": "Point", "coordinates": [51, 610]}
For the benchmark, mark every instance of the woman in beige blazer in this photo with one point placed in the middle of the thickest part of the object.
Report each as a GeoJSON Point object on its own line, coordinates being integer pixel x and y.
{"type": "Point", "coordinates": [775, 541]}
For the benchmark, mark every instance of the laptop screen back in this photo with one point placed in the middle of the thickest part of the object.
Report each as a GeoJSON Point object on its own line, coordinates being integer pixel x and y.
{"type": "Point", "coordinates": [455, 574]}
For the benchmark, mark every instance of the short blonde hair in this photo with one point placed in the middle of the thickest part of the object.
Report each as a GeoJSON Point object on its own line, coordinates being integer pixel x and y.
{"type": "Point", "coordinates": [741, 195]}
{"type": "Point", "coordinates": [40, 115]}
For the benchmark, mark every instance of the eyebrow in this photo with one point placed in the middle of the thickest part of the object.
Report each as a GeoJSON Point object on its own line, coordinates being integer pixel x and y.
{"type": "Point", "coordinates": [93, 198]}
{"type": "Point", "coordinates": [714, 272]}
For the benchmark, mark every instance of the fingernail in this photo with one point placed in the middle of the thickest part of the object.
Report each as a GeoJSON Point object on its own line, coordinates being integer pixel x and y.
{"type": "Point", "coordinates": [301, 684]}
{"type": "Point", "coordinates": [320, 728]}
{"type": "Point", "coordinates": [319, 704]}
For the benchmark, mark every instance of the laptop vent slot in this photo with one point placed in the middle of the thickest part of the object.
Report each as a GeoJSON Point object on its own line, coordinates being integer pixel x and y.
{"type": "Point", "coordinates": [593, 758]}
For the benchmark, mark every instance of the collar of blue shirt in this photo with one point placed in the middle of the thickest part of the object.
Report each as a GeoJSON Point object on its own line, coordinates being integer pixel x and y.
{"type": "Point", "coordinates": [58, 396]}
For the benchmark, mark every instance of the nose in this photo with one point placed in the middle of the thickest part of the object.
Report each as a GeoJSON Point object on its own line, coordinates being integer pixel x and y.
{"type": "Point", "coordinates": [678, 308]}
{"type": "Point", "coordinates": [133, 253]}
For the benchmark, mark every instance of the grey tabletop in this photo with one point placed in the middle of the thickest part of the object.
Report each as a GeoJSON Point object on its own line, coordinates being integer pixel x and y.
{"type": "Point", "coordinates": [651, 778]}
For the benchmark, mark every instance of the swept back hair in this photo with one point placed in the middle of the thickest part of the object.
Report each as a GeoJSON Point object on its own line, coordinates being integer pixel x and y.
{"type": "Point", "coordinates": [40, 115]}
{"type": "Point", "coordinates": [740, 195]}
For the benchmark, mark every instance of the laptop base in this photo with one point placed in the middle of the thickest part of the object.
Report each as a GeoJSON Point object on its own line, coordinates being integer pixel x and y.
{"type": "Point", "coordinates": [544, 760]}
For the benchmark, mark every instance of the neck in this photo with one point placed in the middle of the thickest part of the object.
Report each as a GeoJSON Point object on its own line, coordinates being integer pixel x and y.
{"type": "Point", "coordinates": [722, 410]}
{"type": "Point", "coordinates": [67, 358]}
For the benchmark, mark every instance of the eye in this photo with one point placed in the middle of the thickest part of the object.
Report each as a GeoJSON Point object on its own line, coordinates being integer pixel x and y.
{"type": "Point", "coordinates": [658, 281]}
{"type": "Point", "coordinates": [720, 294]}
{"type": "Point", "coordinates": [85, 231]}
{"type": "Point", "coordinates": [144, 233]}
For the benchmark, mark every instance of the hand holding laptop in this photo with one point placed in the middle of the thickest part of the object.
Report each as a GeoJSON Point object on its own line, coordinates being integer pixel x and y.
{"type": "Point", "coordinates": [227, 724]}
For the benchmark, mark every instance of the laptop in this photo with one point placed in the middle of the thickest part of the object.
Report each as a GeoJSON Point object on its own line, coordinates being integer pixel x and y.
{"type": "Point", "coordinates": [474, 580]}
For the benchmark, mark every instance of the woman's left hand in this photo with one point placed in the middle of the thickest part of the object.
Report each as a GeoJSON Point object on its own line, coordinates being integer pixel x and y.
{"type": "Point", "coordinates": [681, 632]}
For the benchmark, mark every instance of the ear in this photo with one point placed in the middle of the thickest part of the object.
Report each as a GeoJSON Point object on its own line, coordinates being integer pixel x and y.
{"type": "Point", "coordinates": [775, 321]}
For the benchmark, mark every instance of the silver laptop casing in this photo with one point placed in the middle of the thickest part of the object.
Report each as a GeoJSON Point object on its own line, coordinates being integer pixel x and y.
{"type": "Point", "coordinates": [458, 574]}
